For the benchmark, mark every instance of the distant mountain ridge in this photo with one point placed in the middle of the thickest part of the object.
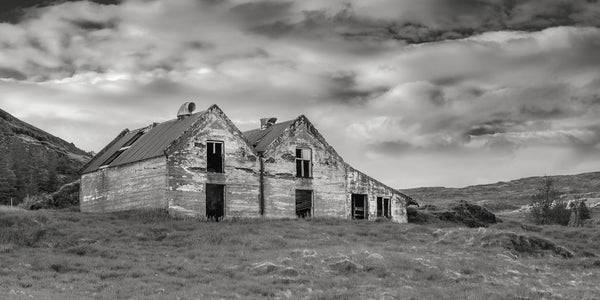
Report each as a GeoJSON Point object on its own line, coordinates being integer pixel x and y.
{"type": "Point", "coordinates": [509, 195]}
{"type": "Point", "coordinates": [33, 161]}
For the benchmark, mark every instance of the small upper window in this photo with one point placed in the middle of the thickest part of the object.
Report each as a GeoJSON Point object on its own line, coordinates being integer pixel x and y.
{"type": "Point", "coordinates": [214, 156]}
{"type": "Point", "coordinates": [303, 163]}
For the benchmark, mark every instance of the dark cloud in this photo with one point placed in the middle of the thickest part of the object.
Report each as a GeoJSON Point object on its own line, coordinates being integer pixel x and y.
{"type": "Point", "coordinates": [485, 129]}
{"type": "Point", "coordinates": [198, 45]}
{"type": "Point", "coordinates": [94, 25]}
{"type": "Point", "coordinates": [261, 11]}
{"type": "Point", "coordinates": [344, 89]}
{"type": "Point", "coordinates": [502, 126]}
{"type": "Point", "coordinates": [444, 20]}
{"type": "Point", "coordinates": [8, 73]}
{"type": "Point", "coordinates": [13, 11]}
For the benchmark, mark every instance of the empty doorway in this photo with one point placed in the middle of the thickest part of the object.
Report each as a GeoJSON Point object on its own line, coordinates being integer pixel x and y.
{"type": "Point", "coordinates": [303, 203]}
{"type": "Point", "coordinates": [360, 207]}
{"type": "Point", "coordinates": [215, 201]}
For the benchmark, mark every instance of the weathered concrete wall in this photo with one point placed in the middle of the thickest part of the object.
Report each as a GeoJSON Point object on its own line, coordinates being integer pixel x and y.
{"type": "Point", "coordinates": [280, 182]}
{"type": "Point", "coordinates": [137, 185]}
{"type": "Point", "coordinates": [187, 175]}
{"type": "Point", "coordinates": [360, 183]}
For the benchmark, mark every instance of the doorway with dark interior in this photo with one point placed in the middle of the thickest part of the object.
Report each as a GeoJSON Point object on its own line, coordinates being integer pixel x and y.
{"type": "Point", "coordinates": [215, 201]}
{"type": "Point", "coordinates": [303, 203]}
{"type": "Point", "coordinates": [360, 207]}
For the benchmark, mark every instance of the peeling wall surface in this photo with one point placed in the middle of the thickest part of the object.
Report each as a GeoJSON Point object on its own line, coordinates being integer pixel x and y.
{"type": "Point", "coordinates": [137, 185]}
{"type": "Point", "coordinates": [327, 182]}
{"type": "Point", "coordinates": [360, 183]}
{"type": "Point", "coordinates": [188, 175]}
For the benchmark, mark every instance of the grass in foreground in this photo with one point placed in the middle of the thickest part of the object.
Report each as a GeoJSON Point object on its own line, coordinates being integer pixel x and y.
{"type": "Point", "coordinates": [72, 255]}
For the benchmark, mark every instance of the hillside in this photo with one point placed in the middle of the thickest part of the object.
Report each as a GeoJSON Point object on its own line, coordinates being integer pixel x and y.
{"type": "Point", "coordinates": [512, 194]}
{"type": "Point", "coordinates": [34, 161]}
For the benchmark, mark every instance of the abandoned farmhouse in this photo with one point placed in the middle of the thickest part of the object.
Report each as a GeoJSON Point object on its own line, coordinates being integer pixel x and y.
{"type": "Point", "coordinates": [200, 164]}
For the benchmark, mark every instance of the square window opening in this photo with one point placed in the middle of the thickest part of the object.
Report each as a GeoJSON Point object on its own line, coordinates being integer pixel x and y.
{"type": "Point", "coordinates": [383, 207]}
{"type": "Point", "coordinates": [303, 163]}
{"type": "Point", "coordinates": [214, 156]}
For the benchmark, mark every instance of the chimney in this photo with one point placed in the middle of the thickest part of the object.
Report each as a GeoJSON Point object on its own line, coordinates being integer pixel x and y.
{"type": "Point", "coordinates": [186, 109]}
{"type": "Point", "coordinates": [267, 122]}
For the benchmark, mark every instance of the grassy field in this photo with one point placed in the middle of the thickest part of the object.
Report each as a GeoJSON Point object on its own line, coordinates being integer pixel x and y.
{"type": "Point", "coordinates": [145, 254]}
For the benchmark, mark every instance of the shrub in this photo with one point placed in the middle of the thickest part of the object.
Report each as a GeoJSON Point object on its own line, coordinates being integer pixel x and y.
{"type": "Point", "coordinates": [547, 208]}
{"type": "Point", "coordinates": [36, 201]}
{"type": "Point", "coordinates": [66, 196]}
{"type": "Point", "coordinates": [585, 212]}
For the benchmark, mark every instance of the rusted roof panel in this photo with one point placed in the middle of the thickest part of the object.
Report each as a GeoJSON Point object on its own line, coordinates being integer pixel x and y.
{"type": "Point", "coordinates": [152, 144]}
{"type": "Point", "coordinates": [260, 139]}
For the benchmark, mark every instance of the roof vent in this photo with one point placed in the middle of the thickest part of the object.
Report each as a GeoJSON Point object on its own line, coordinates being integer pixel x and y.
{"type": "Point", "coordinates": [267, 122]}
{"type": "Point", "coordinates": [186, 109]}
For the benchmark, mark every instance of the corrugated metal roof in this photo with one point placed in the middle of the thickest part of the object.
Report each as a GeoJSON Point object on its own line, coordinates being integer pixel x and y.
{"type": "Point", "coordinates": [260, 139]}
{"type": "Point", "coordinates": [151, 144]}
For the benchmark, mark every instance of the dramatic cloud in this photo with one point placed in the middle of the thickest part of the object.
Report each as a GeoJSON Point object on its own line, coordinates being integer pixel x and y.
{"type": "Point", "coordinates": [432, 92]}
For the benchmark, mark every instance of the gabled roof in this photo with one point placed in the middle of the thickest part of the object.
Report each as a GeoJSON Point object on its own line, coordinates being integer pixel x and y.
{"type": "Point", "coordinates": [260, 139]}
{"type": "Point", "coordinates": [152, 143]}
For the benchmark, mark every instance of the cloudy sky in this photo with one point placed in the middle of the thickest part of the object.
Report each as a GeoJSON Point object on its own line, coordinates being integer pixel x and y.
{"type": "Point", "coordinates": [415, 93]}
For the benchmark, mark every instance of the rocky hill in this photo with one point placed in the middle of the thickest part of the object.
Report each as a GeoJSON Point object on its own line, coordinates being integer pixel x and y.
{"type": "Point", "coordinates": [33, 161]}
{"type": "Point", "coordinates": [512, 194]}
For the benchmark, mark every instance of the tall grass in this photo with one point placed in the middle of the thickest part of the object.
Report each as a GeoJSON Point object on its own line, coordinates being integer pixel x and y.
{"type": "Point", "coordinates": [22, 229]}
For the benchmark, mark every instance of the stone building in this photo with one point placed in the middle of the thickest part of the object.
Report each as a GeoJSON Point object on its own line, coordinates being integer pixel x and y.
{"type": "Point", "coordinates": [202, 165]}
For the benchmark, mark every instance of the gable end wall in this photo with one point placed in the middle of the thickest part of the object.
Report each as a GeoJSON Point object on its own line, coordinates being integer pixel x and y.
{"type": "Point", "coordinates": [328, 182]}
{"type": "Point", "coordinates": [187, 175]}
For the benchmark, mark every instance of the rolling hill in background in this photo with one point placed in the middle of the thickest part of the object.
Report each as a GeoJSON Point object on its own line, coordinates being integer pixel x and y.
{"type": "Point", "coordinates": [511, 195]}
{"type": "Point", "coordinates": [33, 161]}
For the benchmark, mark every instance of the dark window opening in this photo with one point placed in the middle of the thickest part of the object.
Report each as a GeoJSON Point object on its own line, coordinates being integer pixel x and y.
{"type": "Point", "coordinates": [215, 201]}
{"type": "Point", "coordinates": [303, 163]}
{"type": "Point", "coordinates": [303, 203]}
{"type": "Point", "coordinates": [125, 146]}
{"type": "Point", "coordinates": [214, 156]}
{"type": "Point", "coordinates": [360, 207]}
{"type": "Point", "coordinates": [383, 207]}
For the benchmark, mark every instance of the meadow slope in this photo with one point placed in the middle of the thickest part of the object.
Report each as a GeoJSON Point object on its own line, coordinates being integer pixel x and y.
{"type": "Point", "coordinates": [510, 195]}
{"type": "Point", "coordinates": [145, 254]}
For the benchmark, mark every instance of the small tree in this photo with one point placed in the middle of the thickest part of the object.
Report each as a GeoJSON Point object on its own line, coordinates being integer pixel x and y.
{"type": "Point", "coordinates": [584, 211]}
{"type": "Point", "coordinates": [547, 207]}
